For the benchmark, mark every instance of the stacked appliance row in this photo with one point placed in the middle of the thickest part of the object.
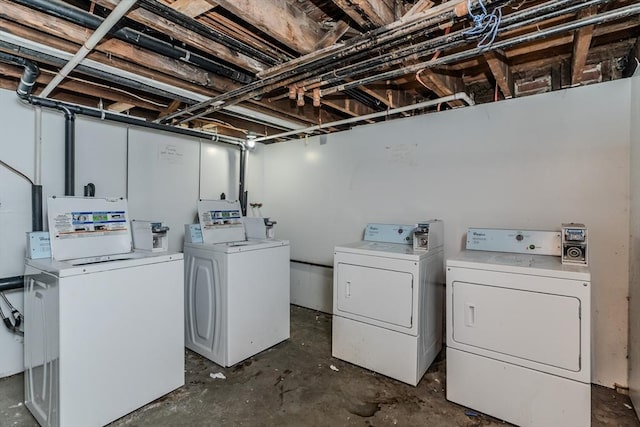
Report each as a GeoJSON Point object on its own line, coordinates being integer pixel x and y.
{"type": "Point", "coordinates": [105, 325]}
{"type": "Point", "coordinates": [517, 316]}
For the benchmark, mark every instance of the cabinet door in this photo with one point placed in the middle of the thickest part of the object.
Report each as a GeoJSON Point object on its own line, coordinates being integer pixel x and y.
{"type": "Point", "coordinates": [201, 298]}
{"type": "Point", "coordinates": [533, 326]}
{"type": "Point", "coordinates": [383, 295]}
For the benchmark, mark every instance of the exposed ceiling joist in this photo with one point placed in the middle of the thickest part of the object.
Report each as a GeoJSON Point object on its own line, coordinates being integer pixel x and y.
{"type": "Point", "coordinates": [193, 8]}
{"type": "Point", "coordinates": [275, 18]}
{"type": "Point", "coordinates": [368, 13]}
{"type": "Point", "coordinates": [581, 43]}
{"type": "Point", "coordinates": [501, 72]}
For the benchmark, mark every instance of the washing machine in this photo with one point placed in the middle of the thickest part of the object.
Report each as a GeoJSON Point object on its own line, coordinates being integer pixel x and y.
{"type": "Point", "coordinates": [518, 337]}
{"type": "Point", "coordinates": [103, 325]}
{"type": "Point", "coordinates": [236, 290]}
{"type": "Point", "coordinates": [388, 299]}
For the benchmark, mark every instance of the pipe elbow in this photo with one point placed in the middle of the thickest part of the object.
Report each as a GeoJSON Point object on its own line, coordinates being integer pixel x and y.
{"type": "Point", "coordinates": [28, 79]}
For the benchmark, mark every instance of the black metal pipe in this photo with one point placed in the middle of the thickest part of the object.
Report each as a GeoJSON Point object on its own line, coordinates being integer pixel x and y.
{"type": "Point", "coordinates": [10, 283]}
{"type": "Point", "coordinates": [29, 75]}
{"type": "Point", "coordinates": [105, 115]}
{"type": "Point", "coordinates": [241, 193]}
{"type": "Point", "coordinates": [58, 62]}
{"type": "Point", "coordinates": [36, 208]}
{"type": "Point", "coordinates": [69, 152]}
{"type": "Point", "coordinates": [78, 16]}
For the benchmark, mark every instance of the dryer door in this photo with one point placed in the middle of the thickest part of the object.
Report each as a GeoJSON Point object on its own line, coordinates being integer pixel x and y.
{"type": "Point", "coordinates": [532, 326]}
{"type": "Point", "coordinates": [374, 293]}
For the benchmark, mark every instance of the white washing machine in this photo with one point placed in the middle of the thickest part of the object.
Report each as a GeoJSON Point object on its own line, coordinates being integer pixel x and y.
{"type": "Point", "coordinates": [518, 337]}
{"type": "Point", "coordinates": [387, 301]}
{"type": "Point", "coordinates": [103, 329]}
{"type": "Point", "coordinates": [236, 290]}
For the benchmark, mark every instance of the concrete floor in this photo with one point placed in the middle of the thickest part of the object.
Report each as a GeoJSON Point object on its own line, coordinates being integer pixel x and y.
{"type": "Point", "coordinates": [293, 384]}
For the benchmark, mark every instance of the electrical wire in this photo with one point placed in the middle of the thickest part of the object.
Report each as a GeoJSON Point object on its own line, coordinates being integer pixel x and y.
{"type": "Point", "coordinates": [485, 24]}
{"type": "Point", "coordinates": [16, 171]}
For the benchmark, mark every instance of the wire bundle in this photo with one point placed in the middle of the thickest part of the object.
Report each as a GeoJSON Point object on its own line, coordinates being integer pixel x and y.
{"type": "Point", "coordinates": [485, 24]}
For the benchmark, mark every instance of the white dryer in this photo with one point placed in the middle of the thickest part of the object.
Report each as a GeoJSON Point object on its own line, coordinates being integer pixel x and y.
{"type": "Point", "coordinates": [236, 290]}
{"type": "Point", "coordinates": [103, 329]}
{"type": "Point", "coordinates": [387, 301]}
{"type": "Point", "coordinates": [518, 337]}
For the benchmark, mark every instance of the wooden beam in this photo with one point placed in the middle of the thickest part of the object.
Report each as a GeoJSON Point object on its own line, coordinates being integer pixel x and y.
{"type": "Point", "coordinates": [420, 6]}
{"type": "Point", "coordinates": [193, 8]}
{"type": "Point", "coordinates": [581, 43]}
{"type": "Point", "coordinates": [175, 104]}
{"type": "Point", "coordinates": [443, 84]}
{"type": "Point", "coordinates": [188, 37]}
{"type": "Point", "coordinates": [119, 107]}
{"type": "Point", "coordinates": [501, 72]}
{"type": "Point", "coordinates": [332, 36]}
{"type": "Point", "coordinates": [368, 13]}
{"type": "Point", "coordinates": [281, 19]}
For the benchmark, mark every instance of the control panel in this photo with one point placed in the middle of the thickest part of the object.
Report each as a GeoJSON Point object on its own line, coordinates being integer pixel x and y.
{"type": "Point", "coordinates": [389, 233]}
{"type": "Point", "coordinates": [514, 241]}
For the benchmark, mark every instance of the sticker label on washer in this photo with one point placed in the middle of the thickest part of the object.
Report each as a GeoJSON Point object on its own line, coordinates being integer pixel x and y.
{"type": "Point", "coordinates": [90, 224]}
{"type": "Point", "coordinates": [221, 219]}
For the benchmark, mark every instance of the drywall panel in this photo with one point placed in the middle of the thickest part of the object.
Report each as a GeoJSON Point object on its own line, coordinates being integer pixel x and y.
{"type": "Point", "coordinates": [531, 162]}
{"type": "Point", "coordinates": [17, 147]}
{"type": "Point", "coordinates": [163, 179]}
{"type": "Point", "coordinates": [220, 166]}
{"type": "Point", "coordinates": [311, 287]}
{"type": "Point", "coordinates": [634, 253]}
{"type": "Point", "coordinates": [101, 157]}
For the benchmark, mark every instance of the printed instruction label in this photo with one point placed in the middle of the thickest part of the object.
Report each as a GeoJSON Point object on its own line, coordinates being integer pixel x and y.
{"type": "Point", "coordinates": [221, 219]}
{"type": "Point", "coordinates": [90, 224]}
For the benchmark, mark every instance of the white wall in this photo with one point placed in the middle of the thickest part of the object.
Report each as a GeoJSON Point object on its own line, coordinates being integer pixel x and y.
{"type": "Point", "coordinates": [634, 258]}
{"type": "Point", "coordinates": [531, 162]}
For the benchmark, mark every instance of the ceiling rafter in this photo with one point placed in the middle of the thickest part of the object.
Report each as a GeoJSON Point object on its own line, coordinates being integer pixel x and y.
{"type": "Point", "coordinates": [275, 18]}
{"type": "Point", "coordinates": [368, 14]}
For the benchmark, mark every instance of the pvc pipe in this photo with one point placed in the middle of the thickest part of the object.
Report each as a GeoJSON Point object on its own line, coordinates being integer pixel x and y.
{"type": "Point", "coordinates": [456, 96]}
{"type": "Point", "coordinates": [37, 174]}
{"type": "Point", "coordinates": [120, 10]}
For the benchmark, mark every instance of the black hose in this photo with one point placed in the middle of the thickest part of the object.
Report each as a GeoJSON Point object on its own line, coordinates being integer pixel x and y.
{"type": "Point", "coordinates": [10, 283]}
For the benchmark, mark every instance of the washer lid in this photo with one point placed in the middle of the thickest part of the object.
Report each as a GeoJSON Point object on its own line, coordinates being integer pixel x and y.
{"type": "Point", "coordinates": [82, 227]}
{"type": "Point", "coordinates": [388, 250]}
{"type": "Point", "coordinates": [537, 265]}
{"type": "Point", "coordinates": [100, 264]}
{"type": "Point", "coordinates": [236, 247]}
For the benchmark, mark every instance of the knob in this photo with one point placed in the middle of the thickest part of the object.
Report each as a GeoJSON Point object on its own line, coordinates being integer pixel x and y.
{"type": "Point", "coordinates": [519, 237]}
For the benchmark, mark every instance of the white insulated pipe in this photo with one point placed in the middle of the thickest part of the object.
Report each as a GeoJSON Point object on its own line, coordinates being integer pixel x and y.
{"type": "Point", "coordinates": [462, 96]}
{"type": "Point", "coordinates": [120, 10]}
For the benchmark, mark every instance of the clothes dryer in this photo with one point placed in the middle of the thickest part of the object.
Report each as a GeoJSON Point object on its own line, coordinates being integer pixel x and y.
{"type": "Point", "coordinates": [387, 301]}
{"type": "Point", "coordinates": [518, 337]}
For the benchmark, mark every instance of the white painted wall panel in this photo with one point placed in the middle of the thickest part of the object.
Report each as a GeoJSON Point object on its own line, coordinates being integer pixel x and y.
{"type": "Point", "coordinates": [531, 162]}
{"type": "Point", "coordinates": [220, 169]}
{"type": "Point", "coordinates": [163, 180]}
{"type": "Point", "coordinates": [101, 157]}
{"type": "Point", "coordinates": [17, 147]}
{"type": "Point", "coordinates": [634, 256]}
